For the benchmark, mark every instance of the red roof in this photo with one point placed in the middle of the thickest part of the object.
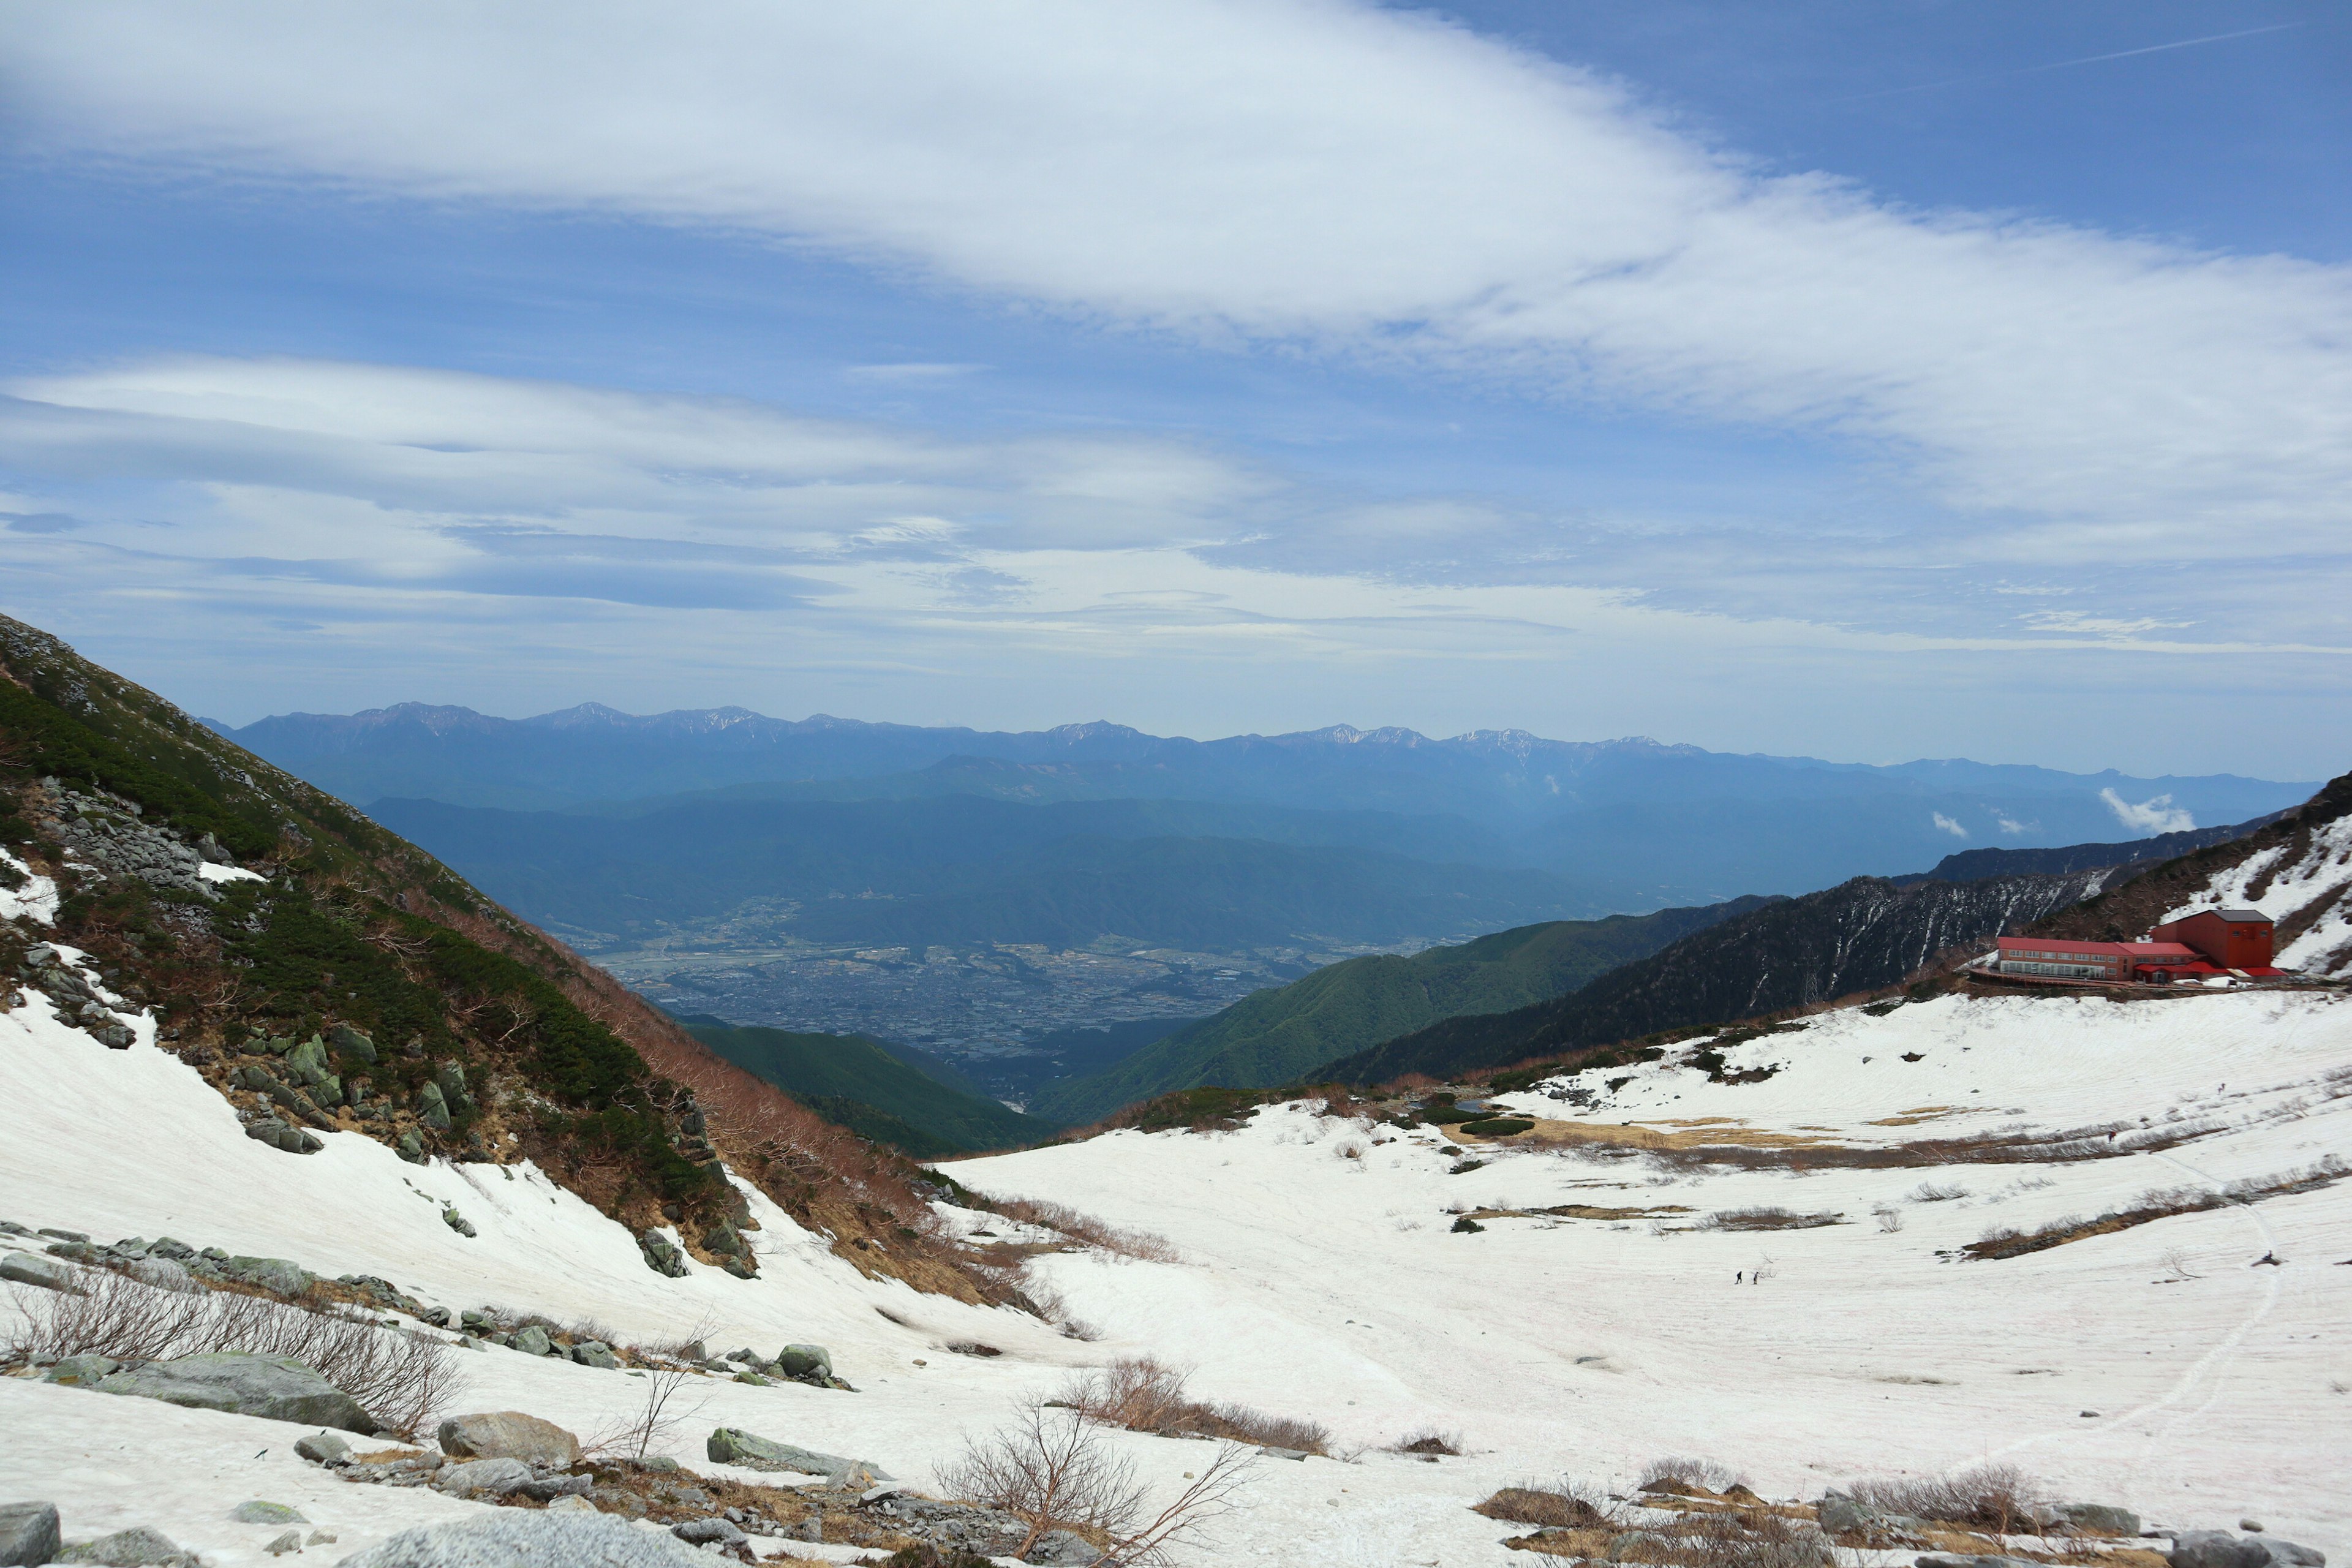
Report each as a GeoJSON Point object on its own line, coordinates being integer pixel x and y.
{"type": "Point", "coordinates": [2158, 952]}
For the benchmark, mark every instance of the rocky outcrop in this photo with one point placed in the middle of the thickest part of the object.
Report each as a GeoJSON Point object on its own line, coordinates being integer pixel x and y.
{"type": "Point", "coordinates": [732, 1446]}
{"type": "Point", "coordinates": [279, 1388]}
{"type": "Point", "coordinates": [508, 1434]}
{"type": "Point", "coordinates": [510, 1538]}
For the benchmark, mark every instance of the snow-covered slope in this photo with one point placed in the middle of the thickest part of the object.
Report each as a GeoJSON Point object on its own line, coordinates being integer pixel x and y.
{"type": "Point", "coordinates": [2158, 1366]}
{"type": "Point", "coordinates": [2304, 885]}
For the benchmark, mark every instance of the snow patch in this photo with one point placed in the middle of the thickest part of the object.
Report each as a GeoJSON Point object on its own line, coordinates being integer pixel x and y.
{"type": "Point", "coordinates": [212, 872]}
{"type": "Point", "coordinates": [36, 900]}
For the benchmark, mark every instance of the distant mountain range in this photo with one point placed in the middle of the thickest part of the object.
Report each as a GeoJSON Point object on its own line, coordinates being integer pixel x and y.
{"type": "Point", "coordinates": [1639, 824]}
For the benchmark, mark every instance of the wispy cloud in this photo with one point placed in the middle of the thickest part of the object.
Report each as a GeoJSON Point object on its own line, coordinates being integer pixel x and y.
{"type": "Point", "coordinates": [2151, 816]}
{"type": "Point", "coordinates": [1358, 181]}
{"type": "Point", "coordinates": [1946, 824]}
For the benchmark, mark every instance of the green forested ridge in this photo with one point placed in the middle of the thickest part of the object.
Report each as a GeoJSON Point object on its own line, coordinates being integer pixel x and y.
{"type": "Point", "coordinates": [1273, 1035]}
{"type": "Point", "coordinates": [846, 1077]}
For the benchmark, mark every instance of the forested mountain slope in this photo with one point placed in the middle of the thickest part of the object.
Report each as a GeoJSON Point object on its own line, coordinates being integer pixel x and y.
{"type": "Point", "coordinates": [1273, 1036]}
{"type": "Point", "coordinates": [862, 1084]}
{"type": "Point", "coordinates": [324, 975]}
{"type": "Point", "coordinates": [1789, 953]}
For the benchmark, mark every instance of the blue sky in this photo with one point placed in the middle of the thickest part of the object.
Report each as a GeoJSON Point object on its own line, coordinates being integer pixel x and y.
{"type": "Point", "coordinates": [1869, 381]}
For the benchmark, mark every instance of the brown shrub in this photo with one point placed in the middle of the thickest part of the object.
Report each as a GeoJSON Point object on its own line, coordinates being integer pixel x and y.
{"type": "Point", "coordinates": [1146, 1395]}
{"type": "Point", "coordinates": [1560, 1508]}
{"type": "Point", "coordinates": [1999, 1498]}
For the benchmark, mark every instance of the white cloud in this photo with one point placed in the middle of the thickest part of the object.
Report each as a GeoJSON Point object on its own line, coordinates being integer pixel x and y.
{"type": "Point", "coordinates": [2150, 817]}
{"type": "Point", "coordinates": [1356, 180]}
{"type": "Point", "coordinates": [2008, 824]}
{"type": "Point", "coordinates": [1947, 825]}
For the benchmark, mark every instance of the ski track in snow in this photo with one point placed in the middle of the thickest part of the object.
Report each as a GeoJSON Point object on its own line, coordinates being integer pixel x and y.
{"type": "Point", "coordinates": [1331, 1287]}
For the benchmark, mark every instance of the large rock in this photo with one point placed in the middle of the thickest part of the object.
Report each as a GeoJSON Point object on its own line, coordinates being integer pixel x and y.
{"type": "Point", "coordinates": [508, 1434]}
{"type": "Point", "coordinates": [82, 1371]}
{"type": "Point", "coordinates": [140, 1547]}
{"type": "Point", "coordinates": [732, 1446]}
{"type": "Point", "coordinates": [804, 1361]}
{"type": "Point", "coordinates": [492, 1477]}
{"type": "Point", "coordinates": [278, 1275]}
{"type": "Point", "coordinates": [2220, 1549]}
{"type": "Point", "coordinates": [596, 1354]}
{"type": "Point", "coordinates": [514, 1538]}
{"type": "Point", "coordinates": [2096, 1519]}
{"type": "Point", "coordinates": [277, 1388]}
{"type": "Point", "coordinates": [28, 1532]}
{"type": "Point", "coordinates": [31, 1268]}
{"type": "Point", "coordinates": [1065, 1547]}
{"type": "Point", "coordinates": [350, 1042]}
{"type": "Point", "coordinates": [532, 1340]}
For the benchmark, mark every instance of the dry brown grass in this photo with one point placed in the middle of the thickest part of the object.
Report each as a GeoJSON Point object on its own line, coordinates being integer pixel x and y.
{"type": "Point", "coordinates": [1146, 1395]}
{"type": "Point", "coordinates": [1766, 1218]}
{"type": "Point", "coordinates": [1563, 1507]}
{"type": "Point", "coordinates": [1085, 1229]}
{"type": "Point", "coordinates": [2000, 1498]}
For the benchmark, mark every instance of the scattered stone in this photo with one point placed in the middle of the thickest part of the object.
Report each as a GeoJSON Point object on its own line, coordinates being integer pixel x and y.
{"type": "Point", "coordinates": [2252, 1526]}
{"type": "Point", "coordinates": [1967, 1559]}
{"type": "Point", "coordinates": [1063, 1546]}
{"type": "Point", "coordinates": [2216, 1549]}
{"type": "Point", "coordinates": [597, 1353]}
{"type": "Point", "coordinates": [732, 1446]}
{"type": "Point", "coordinates": [319, 1538]}
{"type": "Point", "coordinates": [510, 1434]}
{"type": "Point", "coordinates": [350, 1042]}
{"type": "Point", "coordinates": [82, 1371]}
{"type": "Point", "coordinates": [139, 1547]}
{"type": "Point", "coordinates": [258, 1511]}
{"type": "Point", "coordinates": [515, 1538]}
{"type": "Point", "coordinates": [277, 1387]}
{"type": "Point", "coordinates": [278, 1275]}
{"type": "Point", "coordinates": [431, 1109]}
{"type": "Point", "coordinates": [662, 1255]}
{"type": "Point", "coordinates": [2096, 1519]}
{"type": "Point", "coordinates": [28, 1268]}
{"type": "Point", "coordinates": [697, 1531]}
{"type": "Point", "coordinates": [28, 1532]}
{"type": "Point", "coordinates": [494, 1477]}
{"type": "Point", "coordinates": [163, 1273]}
{"type": "Point", "coordinates": [325, 1448]}
{"type": "Point", "coordinates": [457, 1222]}
{"type": "Point", "coordinates": [576, 1503]}
{"type": "Point", "coordinates": [289, 1541]}
{"type": "Point", "coordinates": [532, 1341]}
{"type": "Point", "coordinates": [805, 1362]}
{"type": "Point", "coordinates": [411, 1147]}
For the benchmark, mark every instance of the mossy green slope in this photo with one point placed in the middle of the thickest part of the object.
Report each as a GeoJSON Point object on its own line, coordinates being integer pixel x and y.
{"type": "Point", "coordinates": [845, 1077]}
{"type": "Point", "coordinates": [1273, 1036]}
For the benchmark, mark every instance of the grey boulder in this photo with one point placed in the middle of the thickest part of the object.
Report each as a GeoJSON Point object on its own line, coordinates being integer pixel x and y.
{"type": "Point", "coordinates": [2220, 1549]}
{"type": "Point", "coordinates": [323, 1448]}
{"type": "Point", "coordinates": [514, 1538]}
{"type": "Point", "coordinates": [278, 1275]}
{"type": "Point", "coordinates": [495, 1478]}
{"type": "Point", "coordinates": [532, 1341]}
{"type": "Point", "coordinates": [696, 1532]}
{"type": "Point", "coordinates": [82, 1371]}
{"type": "Point", "coordinates": [804, 1361]}
{"type": "Point", "coordinates": [1064, 1547]}
{"type": "Point", "coordinates": [140, 1547]}
{"type": "Point", "coordinates": [508, 1434]}
{"type": "Point", "coordinates": [279, 1388]}
{"type": "Point", "coordinates": [259, 1512]}
{"type": "Point", "coordinates": [28, 1532]}
{"type": "Point", "coordinates": [31, 1268]}
{"type": "Point", "coordinates": [595, 1353]}
{"type": "Point", "coordinates": [2096, 1519]}
{"type": "Point", "coordinates": [732, 1446]}
{"type": "Point", "coordinates": [1969, 1559]}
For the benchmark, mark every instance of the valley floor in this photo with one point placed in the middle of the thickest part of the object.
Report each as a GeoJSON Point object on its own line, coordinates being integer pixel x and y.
{"type": "Point", "coordinates": [2161, 1367]}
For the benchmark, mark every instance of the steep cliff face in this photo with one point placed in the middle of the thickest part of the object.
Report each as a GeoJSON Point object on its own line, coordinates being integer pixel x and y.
{"type": "Point", "coordinates": [2297, 870]}
{"type": "Point", "coordinates": [1790, 953]}
{"type": "Point", "coordinates": [325, 976]}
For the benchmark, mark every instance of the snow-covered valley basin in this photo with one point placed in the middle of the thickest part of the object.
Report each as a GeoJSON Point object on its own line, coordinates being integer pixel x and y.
{"type": "Point", "coordinates": [2161, 1366]}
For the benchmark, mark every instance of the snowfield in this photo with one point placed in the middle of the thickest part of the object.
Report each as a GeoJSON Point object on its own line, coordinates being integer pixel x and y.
{"type": "Point", "coordinates": [2156, 1367]}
